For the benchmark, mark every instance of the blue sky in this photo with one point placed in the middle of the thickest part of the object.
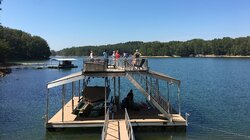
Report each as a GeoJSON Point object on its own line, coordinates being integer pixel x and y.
{"type": "Point", "coordinates": [99, 22]}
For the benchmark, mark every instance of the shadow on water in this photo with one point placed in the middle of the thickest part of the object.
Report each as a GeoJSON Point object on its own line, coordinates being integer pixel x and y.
{"type": "Point", "coordinates": [141, 133]}
{"type": "Point", "coordinates": [74, 133]}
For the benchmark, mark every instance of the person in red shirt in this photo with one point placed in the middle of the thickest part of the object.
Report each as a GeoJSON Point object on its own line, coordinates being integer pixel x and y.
{"type": "Point", "coordinates": [117, 56]}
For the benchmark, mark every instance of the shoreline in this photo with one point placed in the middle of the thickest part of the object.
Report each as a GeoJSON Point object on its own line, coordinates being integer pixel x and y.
{"type": "Point", "coordinates": [200, 56]}
{"type": "Point", "coordinates": [4, 71]}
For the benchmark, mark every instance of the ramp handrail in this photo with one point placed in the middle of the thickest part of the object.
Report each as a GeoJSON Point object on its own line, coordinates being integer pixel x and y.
{"type": "Point", "coordinates": [105, 126]}
{"type": "Point", "coordinates": [152, 91]}
{"type": "Point", "coordinates": [129, 126]}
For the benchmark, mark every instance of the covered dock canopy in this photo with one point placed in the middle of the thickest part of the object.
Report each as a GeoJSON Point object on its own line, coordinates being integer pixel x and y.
{"type": "Point", "coordinates": [80, 75]}
{"type": "Point", "coordinates": [65, 80]}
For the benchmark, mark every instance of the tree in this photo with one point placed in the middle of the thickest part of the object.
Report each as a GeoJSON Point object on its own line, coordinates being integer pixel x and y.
{"type": "Point", "coordinates": [19, 45]}
{"type": "Point", "coordinates": [224, 46]}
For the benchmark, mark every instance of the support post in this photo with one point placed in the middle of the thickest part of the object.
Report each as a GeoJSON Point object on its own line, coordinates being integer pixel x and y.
{"type": "Point", "coordinates": [151, 84]}
{"type": "Point", "coordinates": [105, 105]}
{"type": "Point", "coordinates": [63, 101]}
{"type": "Point", "coordinates": [168, 97]}
{"type": "Point", "coordinates": [170, 91]}
{"type": "Point", "coordinates": [157, 84]}
{"type": "Point", "coordinates": [47, 106]}
{"type": "Point", "coordinates": [73, 94]}
{"type": "Point", "coordinates": [147, 84]}
{"type": "Point", "coordinates": [79, 89]}
{"type": "Point", "coordinates": [179, 99]}
{"type": "Point", "coordinates": [114, 88]}
{"type": "Point", "coordinates": [119, 89]}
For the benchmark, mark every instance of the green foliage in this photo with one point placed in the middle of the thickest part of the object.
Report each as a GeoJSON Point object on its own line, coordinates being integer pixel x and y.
{"type": "Point", "coordinates": [18, 45]}
{"type": "Point", "coordinates": [225, 46]}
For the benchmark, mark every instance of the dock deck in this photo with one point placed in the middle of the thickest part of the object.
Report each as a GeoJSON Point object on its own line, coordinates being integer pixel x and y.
{"type": "Point", "coordinates": [156, 112]}
{"type": "Point", "coordinates": [137, 118]}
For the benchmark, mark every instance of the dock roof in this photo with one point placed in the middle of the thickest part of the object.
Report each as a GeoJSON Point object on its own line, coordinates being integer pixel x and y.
{"type": "Point", "coordinates": [67, 79]}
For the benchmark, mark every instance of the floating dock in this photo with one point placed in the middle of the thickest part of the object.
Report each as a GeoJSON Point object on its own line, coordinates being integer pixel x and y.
{"type": "Point", "coordinates": [117, 121]}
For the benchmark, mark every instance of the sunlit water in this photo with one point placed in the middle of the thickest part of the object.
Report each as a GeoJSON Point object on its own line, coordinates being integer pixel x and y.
{"type": "Point", "coordinates": [215, 91]}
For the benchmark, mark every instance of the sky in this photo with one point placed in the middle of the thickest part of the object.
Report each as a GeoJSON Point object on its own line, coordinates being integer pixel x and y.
{"type": "Point", "coordinates": [65, 24]}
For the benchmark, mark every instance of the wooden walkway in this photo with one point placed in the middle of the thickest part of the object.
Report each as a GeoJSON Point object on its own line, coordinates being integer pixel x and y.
{"type": "Point", "coordinates": [117, 130]}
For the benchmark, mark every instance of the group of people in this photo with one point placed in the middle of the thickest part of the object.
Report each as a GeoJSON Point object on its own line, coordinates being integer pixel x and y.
{"type": "Point", "coordinates": [115, 56]}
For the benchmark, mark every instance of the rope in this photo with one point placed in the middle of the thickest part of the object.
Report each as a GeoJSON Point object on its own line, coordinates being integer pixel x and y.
{"type": "Point", "coordinates": [223, 131]}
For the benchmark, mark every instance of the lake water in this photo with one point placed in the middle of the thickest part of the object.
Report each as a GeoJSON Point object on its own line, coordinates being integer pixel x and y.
{"type": "Point", "coordinates": [215, 91]}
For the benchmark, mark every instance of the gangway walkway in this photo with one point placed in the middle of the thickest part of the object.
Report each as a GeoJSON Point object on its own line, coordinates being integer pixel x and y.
{"type": "Point", "coordinates": [117, 129]}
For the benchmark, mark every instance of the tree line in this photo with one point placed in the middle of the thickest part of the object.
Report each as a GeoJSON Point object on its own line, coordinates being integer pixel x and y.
{"type": "Point", "coordinates": [224, 46]}
{"type": "Point", "coordinates": [19, 45]}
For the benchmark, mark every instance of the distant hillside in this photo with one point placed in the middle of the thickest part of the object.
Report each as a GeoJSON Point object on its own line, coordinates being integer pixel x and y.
{"type": "Point", "coordinates": [19, 45]}
{"type": "Point", "coordinates": [224, 46]}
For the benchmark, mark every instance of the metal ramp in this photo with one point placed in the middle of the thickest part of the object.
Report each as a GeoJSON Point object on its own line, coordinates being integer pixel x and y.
{"type": "Point", "coordinates": [117, 129]}
{"type": "Point", "coordinates": [148, 84]}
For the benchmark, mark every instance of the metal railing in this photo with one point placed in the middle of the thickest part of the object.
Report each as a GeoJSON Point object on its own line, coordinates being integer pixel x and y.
{"type": "Point", "coordinates": [123, 63]}
{"type": "Point", "coordinates": [105, 126]}
{"type": "Point", "coordinates": [129, 126]}
{"type": "Point", "coordinates": [151, 89]}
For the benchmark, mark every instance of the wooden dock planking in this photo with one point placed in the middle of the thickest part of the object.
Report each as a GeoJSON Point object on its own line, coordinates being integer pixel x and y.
{"type": "Point", "coordinates": [113, 130]}
{"type": "Point", "coordinates": [117, 130]}
{"type": "Point", "coordinates": [71, 120]}
{"type": "Point", "coordinates": [68, 116]}
{"type": "Point", "coordinates": [123, 130]}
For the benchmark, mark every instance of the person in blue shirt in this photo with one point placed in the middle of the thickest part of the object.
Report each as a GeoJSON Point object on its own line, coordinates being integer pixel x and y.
{"type": "Point", "coordinates": [105, 56]}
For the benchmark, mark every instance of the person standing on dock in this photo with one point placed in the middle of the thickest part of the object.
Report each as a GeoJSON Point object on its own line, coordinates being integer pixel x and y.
{"type": "Point", "coordinates": [91, 55]}
{"type": "Point", "coordinates": [137, 55]}
{"type": "Point", "coordinates": [105, 55]}
{"type": "Point", "coordinates": [130, 98]}
{"type": "Point", "coordinates": [117, 56]}
{"type": "Point", "coordinates": [113, 57]}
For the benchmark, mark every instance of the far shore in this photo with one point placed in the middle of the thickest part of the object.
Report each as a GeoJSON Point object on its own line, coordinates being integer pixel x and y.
{"type": "Point", "coordinates": [200, 56]}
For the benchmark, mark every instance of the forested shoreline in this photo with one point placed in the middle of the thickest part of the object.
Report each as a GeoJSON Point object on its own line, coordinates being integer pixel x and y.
{"type": "Point", "coordinates": [19, 45]}
{"type": "Point", "coordinates": [195, 47]}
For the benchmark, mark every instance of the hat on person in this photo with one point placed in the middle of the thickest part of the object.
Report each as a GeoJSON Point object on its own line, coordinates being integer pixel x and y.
{"type": "Point", "coordinates": [137, 50]}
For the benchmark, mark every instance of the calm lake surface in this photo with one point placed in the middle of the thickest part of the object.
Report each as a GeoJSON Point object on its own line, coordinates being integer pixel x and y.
{"type": "Point", "coordinates": [215, 91]}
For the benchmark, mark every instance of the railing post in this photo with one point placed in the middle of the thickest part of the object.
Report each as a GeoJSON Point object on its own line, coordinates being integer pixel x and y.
{"type": "Point", "coordinates": [170, 90]}
{"type": "Point", "coordinates": [73, 94]}
{"type": "Point", "coordinates": [187, 115]}
{"type": "Point", "coordinates": [47, 106]}
{"type": "Point", "coordinates": [63, 101]}
{"type": "Point", "coordinates": [179, 99]}
{"type": "Point", "coordinates": [105, 106]}
{"type": "Point", "coordinates": [79, 89]}
{"type": "Point", "coordinates": [119, 90]}
{"type": "Point", "coordinates": [114, 88]}
{"type": "Point", "coordinates": [168, 96]}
